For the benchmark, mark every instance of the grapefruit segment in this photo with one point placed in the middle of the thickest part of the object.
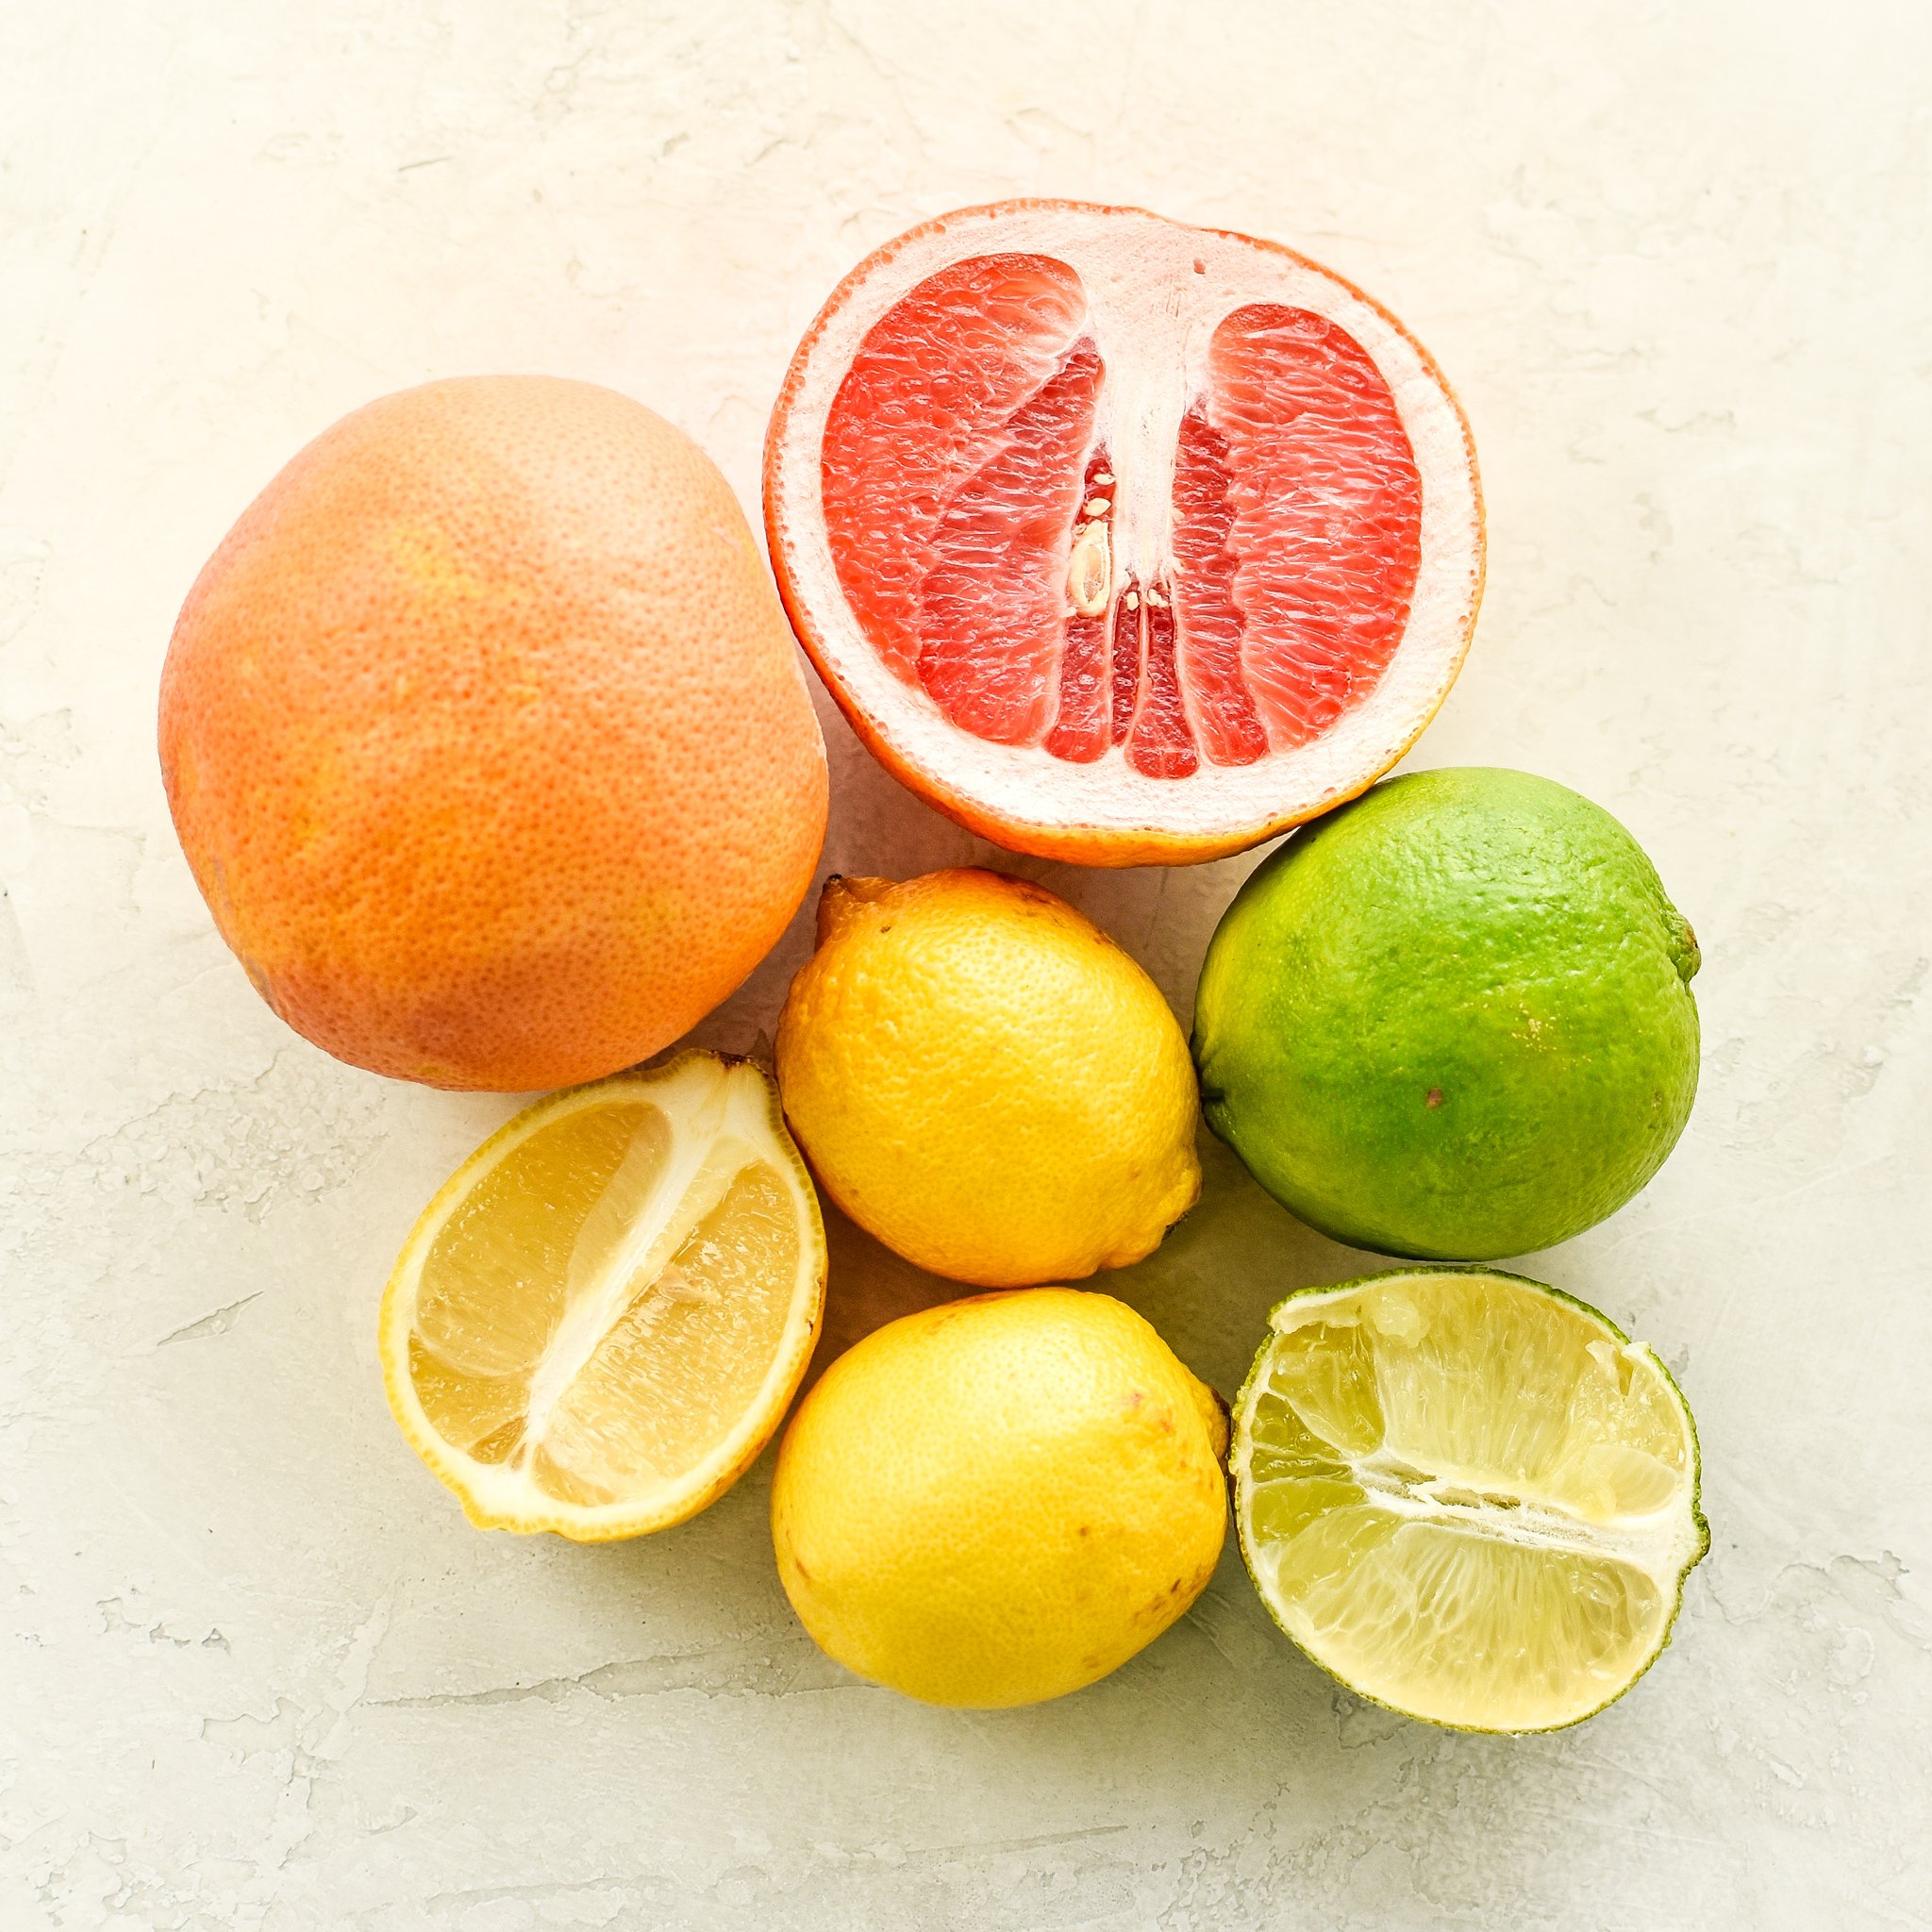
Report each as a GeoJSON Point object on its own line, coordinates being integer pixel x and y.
{"type": "Point", "coordinates": [921, 411]}
{"type": "Point", "coordinates": [1212, 622]}
{"type": "Point", "coordinates": [1327, 513]}
{"type": "Point", "coordinates": [1161, 743]}
{"type": "Point", "coordinates": [1120, 540]}
{"type": "Point", "coordinates": [992, 611]}
{"type": "Point", "coordinates": [1127, 663]}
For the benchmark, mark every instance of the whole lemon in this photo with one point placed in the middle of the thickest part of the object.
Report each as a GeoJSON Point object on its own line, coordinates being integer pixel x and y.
{"type": "Point", "coordinates": [1001, 1499]}
{"type": "Point", "coordinates": [985, 1081]}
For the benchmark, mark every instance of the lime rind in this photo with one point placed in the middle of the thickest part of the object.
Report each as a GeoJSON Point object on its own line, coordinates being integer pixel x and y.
{"type": "Point", "coordinates": [1692, 1545]}
{"type": "Point", "coordinates": [1453, 1021]}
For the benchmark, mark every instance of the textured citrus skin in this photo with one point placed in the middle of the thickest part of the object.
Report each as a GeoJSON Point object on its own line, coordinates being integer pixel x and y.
{"type": "Point", "coordinates": [1452, 1021]}
{"type": "Point", "coordinates": [485, 737]}
{"type": "Point", "coordinates": [1000, 1500]}
{"type": "Point", "coordinates": [985, 1081]}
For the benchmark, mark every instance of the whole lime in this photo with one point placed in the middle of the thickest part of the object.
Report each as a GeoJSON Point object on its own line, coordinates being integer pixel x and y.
{"type": "Point", "coordinates": [1452, 1019]}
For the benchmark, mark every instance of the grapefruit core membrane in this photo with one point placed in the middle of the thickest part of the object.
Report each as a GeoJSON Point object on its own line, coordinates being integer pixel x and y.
{"type": "Point", "coordinates": [1120, 541]}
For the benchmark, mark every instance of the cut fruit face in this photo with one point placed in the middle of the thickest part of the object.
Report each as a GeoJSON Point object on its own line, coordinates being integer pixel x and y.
{"type": "Point", "coordinates": [1117, 540]}
{"type": "Point", "coordinates": [1466, 1495]}
{"type": "Point", "coordinates": [598, 1323]}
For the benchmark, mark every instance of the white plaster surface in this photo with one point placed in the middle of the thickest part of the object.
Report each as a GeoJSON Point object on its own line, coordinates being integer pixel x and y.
{"type": "Point", "coordinates": [257, 1672]}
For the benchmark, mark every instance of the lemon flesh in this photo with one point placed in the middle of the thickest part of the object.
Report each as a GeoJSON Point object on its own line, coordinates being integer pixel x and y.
{"type": "Point", "coordinates": [599, 1321]}
{"type": "Point", "coordinates": [1466, 1495]}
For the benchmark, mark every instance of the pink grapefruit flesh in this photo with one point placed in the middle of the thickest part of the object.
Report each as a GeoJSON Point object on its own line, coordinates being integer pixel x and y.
{"type": "Point", "coordinates": [1122, 540]}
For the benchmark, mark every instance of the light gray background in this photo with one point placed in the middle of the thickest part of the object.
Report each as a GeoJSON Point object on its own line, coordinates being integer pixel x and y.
{"type": "Point", "coordinates": [259, 1673]}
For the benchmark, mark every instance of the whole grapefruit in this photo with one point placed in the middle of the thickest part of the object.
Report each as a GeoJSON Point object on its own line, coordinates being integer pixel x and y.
{"type": "Point", "coordinates": [485, 737]}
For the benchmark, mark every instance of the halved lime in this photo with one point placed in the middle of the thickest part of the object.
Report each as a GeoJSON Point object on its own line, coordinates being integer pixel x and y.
{"type": "Point", "coordinates": [1466, 1495]}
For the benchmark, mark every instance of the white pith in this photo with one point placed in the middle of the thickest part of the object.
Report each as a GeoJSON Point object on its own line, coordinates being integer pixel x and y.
{"type": "Point", "coordinates": [722, 1119]}
{"type": "Point", "coordinates": [1152, 317]}
{"type": "Point", "coordinates": [1662, 1543]}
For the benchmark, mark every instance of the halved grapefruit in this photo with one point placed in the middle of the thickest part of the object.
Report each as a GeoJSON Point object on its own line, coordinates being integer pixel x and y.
{"type": "Point", "coordinates": [1118, 540]}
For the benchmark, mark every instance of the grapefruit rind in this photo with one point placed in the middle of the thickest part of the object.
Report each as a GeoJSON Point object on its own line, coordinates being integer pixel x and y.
{"type": "Point", "coordinates": [486, 740]}
{"type": "Point", "coordinates": [496, 1498]}
{"type": "Point", "coordinates": [1105, 812]}
{"type": "Point", "coordinates": [1679, 1537]}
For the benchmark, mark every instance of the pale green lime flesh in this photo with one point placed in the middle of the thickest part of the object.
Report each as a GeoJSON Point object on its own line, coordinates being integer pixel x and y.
{"type": "Point", "coordinates": [1466, 1495]}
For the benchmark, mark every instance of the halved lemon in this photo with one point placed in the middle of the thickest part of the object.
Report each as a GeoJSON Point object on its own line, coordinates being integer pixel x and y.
{"type": "Point", "coordinates": [1466, 1495]}
{"type": "Point", "coordinates": [600, 1319]}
